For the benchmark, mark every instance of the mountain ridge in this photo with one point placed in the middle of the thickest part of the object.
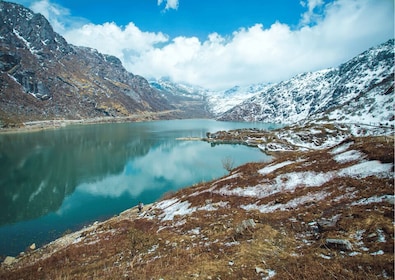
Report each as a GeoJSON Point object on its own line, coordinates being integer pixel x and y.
{"type": "Point", "coordinates": [312, 95]}
{"type": "Point", "coordinates": [43, 77]}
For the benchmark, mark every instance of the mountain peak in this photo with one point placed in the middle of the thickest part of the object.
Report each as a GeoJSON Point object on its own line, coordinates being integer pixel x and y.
{"type": "Point", "coordinates": [32, 31]}
{"type": "Point", "coordinates": [44, 77]}
{"type": "Point", "coordinates": [333, 94]}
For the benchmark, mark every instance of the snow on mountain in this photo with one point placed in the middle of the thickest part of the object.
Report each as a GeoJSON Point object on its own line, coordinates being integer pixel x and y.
{"type": "Point", "coordinates": [360, 90]}
{"type": "Point", "coordinates": [167, 87]}
{"type": "Point", "coordinates": [221, 101]}
{"type": "Point", "coordinates": [217, 102]}
{"type": "Point", "coordinates": [189, 101]}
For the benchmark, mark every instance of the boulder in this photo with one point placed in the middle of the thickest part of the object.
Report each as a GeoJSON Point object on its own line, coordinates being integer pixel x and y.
{"type": "Point", "coordinates": [9, 260]}
{"type": "Point", "coordinates": [326, 224]}
{"type": "Point", "coordinates": [340, 244]}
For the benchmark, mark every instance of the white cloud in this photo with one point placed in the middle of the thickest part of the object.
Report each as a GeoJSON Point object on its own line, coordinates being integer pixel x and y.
{"type": "Point", "coordinates": [328, 34]}
{"type": "Point", "coordinates": [54, 13]}
{"type": "Point", "coordinates": [170, 4]}
{"type": "Point", "coordinates": [59, 17]}
{"type": "Point", "coordinates": [311, 16]}
{"type": "Point", "coordinates": [126, 43]}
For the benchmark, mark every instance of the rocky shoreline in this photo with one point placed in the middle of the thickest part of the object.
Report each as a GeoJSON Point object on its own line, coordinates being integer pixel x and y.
{"type": "Point", "coordinates": [38, 125]}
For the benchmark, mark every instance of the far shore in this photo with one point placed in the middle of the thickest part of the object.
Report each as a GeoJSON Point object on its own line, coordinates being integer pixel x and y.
{"type": "Point", "coordinates": [39, 125]}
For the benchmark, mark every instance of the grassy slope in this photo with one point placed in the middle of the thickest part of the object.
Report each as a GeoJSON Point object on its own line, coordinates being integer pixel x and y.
{"type": "Point", "coordinates": [196, 233]}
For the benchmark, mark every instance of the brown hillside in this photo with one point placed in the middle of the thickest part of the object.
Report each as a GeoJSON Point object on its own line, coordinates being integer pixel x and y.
{"type": "Point", "coordinates": [324, 214]}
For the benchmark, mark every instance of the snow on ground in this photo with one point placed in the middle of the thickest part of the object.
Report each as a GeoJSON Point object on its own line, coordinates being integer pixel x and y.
{"type": "Point", "coordinates": [166, 203]}
{"type": "Point", "coordinates": [284, 182]}
{"type": "Point", "coordinates": [213, 206]}
{"type": "Point", "coordinates": [270, 168]}
{"type": "Point", "coordinates": [348, 156]}
{"type": "Point", "coordinates": [292, 204]}
{"type": "Point", "coordinates": [233, 176]}
{"type": "Point", "coordinates": [276, 147]}
{"type": "Point", "coordinates": [318, 143]}
{"type": "Point", "coordinates": [290, 181]}
{"type": "Point", "coordinates": [366, 169]}
{"type": "Point", "coordinates": [175, 207]}
{"type": "Point", "coordinates": [375, 199]}
{"type": "Point", "coordinates": [360, 130]}
{"type": "Point", "coordinates": [341, 148]}
{"type": "Point", "coordinates": [312, 139]}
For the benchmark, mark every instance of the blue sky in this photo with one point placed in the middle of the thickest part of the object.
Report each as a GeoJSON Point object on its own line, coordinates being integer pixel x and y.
{"type": "Point", "coordinates": [191, 18]}
{"type": "Point", "coordinates": [221, 43]}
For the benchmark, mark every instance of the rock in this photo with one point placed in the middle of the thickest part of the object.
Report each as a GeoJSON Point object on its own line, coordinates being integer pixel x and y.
{"type": "Point", "coordinates": [259, 270]}
{"type": "Point", "coordinates": [245, 225]}
{"type": "Point", "coordinates": [329, 223]}
{"type": "Point", "coordinates": [33, 246]}
{"type": "Point", "coordinates": [9, 260]}
{"type": "Point", "coordinates": [340, 244]}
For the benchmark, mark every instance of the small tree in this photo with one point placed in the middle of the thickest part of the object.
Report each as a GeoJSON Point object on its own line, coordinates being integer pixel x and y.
{"type": "Point", "coordinates": [228, 163]}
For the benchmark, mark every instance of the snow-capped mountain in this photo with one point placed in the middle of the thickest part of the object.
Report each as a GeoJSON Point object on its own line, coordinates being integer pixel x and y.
{"type": "Point", "coordinates": [221, 101]}
{"type": "Point", "coordinates": [216, 101]}
{"type": "Point", "coordinates": [169, 88]}
{"type": "Point", "coordinates": [360, 90]}
{"type": "Point", "coordinates": [190, 101]}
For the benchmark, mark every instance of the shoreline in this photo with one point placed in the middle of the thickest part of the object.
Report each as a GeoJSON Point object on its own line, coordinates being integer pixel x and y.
{"type": "Point", "coordinates": [40, 125]}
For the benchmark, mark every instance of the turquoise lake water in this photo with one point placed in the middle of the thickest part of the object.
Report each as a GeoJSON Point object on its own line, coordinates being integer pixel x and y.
{"type": "Point", "coordinates": [53, 181]}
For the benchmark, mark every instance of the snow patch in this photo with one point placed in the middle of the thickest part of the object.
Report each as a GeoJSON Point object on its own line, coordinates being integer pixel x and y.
{"type": "Point", "coordinates": [173, 207]}
{"type": "Point", "coordinates": [180, 208]}
{"type": "Point", "coordinates": [366, 169]}
{"type": "Point", "coordinates": [375, 199]}
{"type": "Point", "coordinates": [379, 252]}
{"type": "Point", "coordinates": [194, 231]}
{"type": "Point", "coordinates": [270, 168]}
{"type": "Point", "coordinates": [233, 176]}
{"type": "Point", "coordinates": [213, 206]}
{"type": "Point", "coordinates": [348, 156]}
{"type": "Point", "coordinates": [290, 181]}
{"type": "Point", "coordinates": [342, 148]}
{"type": "Point", "coordinates": [292, 204]}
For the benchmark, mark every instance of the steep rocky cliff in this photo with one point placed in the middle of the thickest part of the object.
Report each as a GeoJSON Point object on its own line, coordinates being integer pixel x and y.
{"type": "Point", "coordinates": [44, 77]}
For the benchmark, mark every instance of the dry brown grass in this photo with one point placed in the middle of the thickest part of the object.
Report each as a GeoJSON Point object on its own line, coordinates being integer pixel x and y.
{"type": "Point", "coordinates": [205, 244]}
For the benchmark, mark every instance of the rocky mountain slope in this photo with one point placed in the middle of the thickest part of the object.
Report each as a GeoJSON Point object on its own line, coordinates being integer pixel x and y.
{"type": "Point", "coordinates": [360, 90]}
{"type": "Point", "coordinates": [322, 213]}
{"type": "Point", "coordinates": [44, 77]}
{"type": "Point", "coordinates": [221, 101]}
{"type": "Point", "coordinates": [190, 101]}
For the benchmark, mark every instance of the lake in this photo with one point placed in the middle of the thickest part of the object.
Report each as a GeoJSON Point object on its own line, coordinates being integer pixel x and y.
{"type": "Point", "coordinates": [53, 181]}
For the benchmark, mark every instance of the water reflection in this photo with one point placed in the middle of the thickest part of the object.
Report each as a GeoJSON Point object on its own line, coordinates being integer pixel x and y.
{"type": "Point", "coordinates": [37, 170]}
{"type": "Point", "coordinates": [52, 181]}
{"type": "Point", "coordinates": [168, 167]}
